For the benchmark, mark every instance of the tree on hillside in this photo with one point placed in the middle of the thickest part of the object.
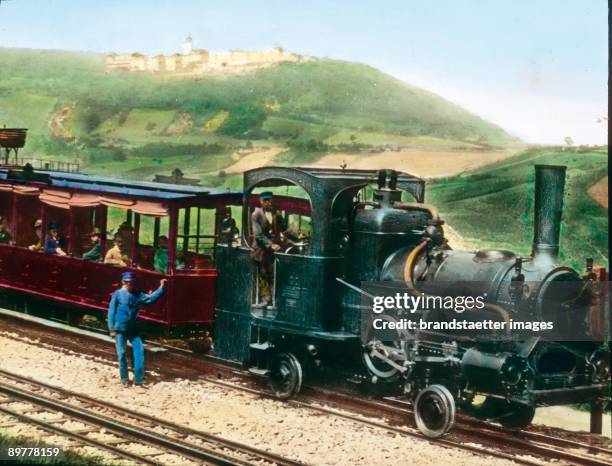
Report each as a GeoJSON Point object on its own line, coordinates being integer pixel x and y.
{"type": "Point", "coordinates": [569, 141]}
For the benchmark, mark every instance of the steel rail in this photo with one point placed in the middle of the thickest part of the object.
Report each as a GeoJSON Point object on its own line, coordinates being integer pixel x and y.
{"type": "Point", "coordinates": [75, 436]}
{"type": "Point", "coordinates": [175, 443]}
{"type": "Point", "coordinates": [521, 434]}
{"type": "Point", "coordinates": [154, 439]}
{"type": "Point", "coordinates": [545, 451]}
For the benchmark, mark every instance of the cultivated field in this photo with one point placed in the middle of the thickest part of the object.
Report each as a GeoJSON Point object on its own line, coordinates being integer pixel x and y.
{"type": "Point", "coordinates": [492, 206]}
{"type": "Point", "coordinates": [599, 192]}
{"type": "Point", "coordinates": [427, 163]}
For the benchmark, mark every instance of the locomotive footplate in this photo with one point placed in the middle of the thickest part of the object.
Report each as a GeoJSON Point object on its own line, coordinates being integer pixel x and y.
{"type": "Point", "coordinates": [283, 327]}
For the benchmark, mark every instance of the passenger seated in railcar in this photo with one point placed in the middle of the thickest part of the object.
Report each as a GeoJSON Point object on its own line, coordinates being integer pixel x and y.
{"type": "Point", "coordinates": [126, 233]}
{"type": "Point", "coordinates": [116, 255]}
{"type": "Point", "coordinates": [5, 235]}
{"type": "Point", "coordinates": [160, 259]}
{"type": "Point", "coordinates": [95, 253]}
{"type": "Point", "coordinates": [38, 246]}
{"type": "Point", "coordinates": [229, 231]}
{"type": "Point", "coordinates": [54, 245]}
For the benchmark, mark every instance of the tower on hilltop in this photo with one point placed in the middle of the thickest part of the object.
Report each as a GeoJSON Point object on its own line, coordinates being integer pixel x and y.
{"type": "Point", "coordinates": [188, 45]}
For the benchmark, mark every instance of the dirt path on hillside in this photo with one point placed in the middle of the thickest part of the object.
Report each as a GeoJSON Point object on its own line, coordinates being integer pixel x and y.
{"type": "Point", "coordinates": [427, 163]}
{"type": "Point", "coordinates": [254, 159]}
{"type": "Point", "coordinates": [599, 192]}
{"type": "Point", "coordinates": [57, 121]}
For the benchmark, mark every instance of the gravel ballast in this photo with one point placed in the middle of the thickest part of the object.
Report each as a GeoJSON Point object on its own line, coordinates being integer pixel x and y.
{"type": "Point", "coordinates": [296, 433]}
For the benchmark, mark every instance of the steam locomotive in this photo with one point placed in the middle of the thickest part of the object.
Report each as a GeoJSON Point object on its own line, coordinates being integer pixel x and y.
{"type": "Point", "coordinates": [367, 227]}
{"type": "Point", "coordinates": [317, 319]}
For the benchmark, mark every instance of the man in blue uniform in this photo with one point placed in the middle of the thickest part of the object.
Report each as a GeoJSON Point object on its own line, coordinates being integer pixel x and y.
{"type": "Point", "coordinates": [122, 316]}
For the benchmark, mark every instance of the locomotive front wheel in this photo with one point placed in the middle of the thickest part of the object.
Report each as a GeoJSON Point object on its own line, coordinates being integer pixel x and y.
{"type": "Point", "coordinates": [434, 411]}
{"type": "Point", "coordinates": [285, 375]}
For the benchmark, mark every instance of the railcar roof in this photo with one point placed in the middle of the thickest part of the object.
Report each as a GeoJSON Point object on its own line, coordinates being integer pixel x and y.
{"type": "Point", "coordinates": [165, 191]}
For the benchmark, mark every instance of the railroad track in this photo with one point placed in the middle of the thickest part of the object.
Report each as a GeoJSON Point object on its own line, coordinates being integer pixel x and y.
{"type": "Point", "coordinates": [535, 441]}
{"type": "Point", "coordinates": [467, 428]}
{"type": "Point", "coordinates": [483, 438]}
{"type": "Point", "coordinates": [125, 431]}
{"type": "Point", "coordinates": [471, 434]}
{"type": "Point", "coordinates": [467, 433]}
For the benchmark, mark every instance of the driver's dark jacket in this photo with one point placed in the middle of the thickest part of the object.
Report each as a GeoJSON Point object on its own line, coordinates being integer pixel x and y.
{"type": "Point", "coordinates": [262, 235]}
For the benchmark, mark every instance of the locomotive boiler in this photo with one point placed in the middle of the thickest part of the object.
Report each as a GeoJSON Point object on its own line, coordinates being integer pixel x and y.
{"type": "Point", "coordinates": [365, 239]}
{"type": "Point", "coordinates": [516, 373]}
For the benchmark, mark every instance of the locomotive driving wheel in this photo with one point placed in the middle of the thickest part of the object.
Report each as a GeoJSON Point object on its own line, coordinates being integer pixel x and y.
{"type": "Point", "coordinates": [434, 411]}
{"type": "Point", "coordinates": [285, 375]}
{"type": "Point", "coordinates": [383, 358]}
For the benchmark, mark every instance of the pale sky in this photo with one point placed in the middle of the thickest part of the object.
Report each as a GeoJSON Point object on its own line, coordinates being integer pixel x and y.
{"type": "Point", "coordinates": [538, 68]}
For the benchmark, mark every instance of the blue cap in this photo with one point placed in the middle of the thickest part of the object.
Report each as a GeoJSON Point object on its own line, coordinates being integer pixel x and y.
{"type": "Point", "coordinates": [127, 276]}
{"type": "Point", "coordinates": [266, 196]}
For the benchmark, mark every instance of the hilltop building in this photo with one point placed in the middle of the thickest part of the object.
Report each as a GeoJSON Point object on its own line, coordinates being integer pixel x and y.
{"type": "Point", "coordinates": [199, 61]}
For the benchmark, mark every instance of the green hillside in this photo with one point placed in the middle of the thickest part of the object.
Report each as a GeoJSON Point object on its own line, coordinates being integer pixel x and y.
{"type": "Point", "coordinates": [137, 124]}
{"type": "Point", "coordinates": [493, 207]}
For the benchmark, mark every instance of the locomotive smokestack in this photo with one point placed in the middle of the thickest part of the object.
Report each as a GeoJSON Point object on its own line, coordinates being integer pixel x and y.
{"type": "Point", "coordinates": [549, 185]}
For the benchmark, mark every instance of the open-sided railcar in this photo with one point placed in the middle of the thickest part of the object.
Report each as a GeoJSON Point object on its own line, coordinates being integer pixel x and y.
{"type": "Point", "coordinates": [188, 216]}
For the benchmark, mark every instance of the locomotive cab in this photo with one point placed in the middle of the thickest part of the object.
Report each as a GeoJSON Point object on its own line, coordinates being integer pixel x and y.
{"type": "Point", "coordinates": [310, 322]}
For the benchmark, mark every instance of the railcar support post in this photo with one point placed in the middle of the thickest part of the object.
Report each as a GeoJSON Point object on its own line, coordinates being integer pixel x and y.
{"type": "Point", "coordinates": [71, 230]}
{"type": "Point", "coordinates": [101, 223]}
{"type": "Point", "coordinates": [14, 217]}
{"type": "Point", "coordinates": [43, 219]}
{"type": "Point", "coordinates": [134, 245]}
{"type": "Point", "coordinates": [156, 228]}
{"type": "Point", "coordinates": [186, 230]}
{"type": "Point", "coordinates": [173, 230]}
{"type": "Point", "coordinates": [596, 416]}
{"type": "Point", "coordinates": [604, 321]}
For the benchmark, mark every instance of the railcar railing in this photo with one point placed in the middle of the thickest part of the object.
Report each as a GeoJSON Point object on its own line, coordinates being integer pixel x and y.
{"type": "Point", "coordinates": [42, 164]}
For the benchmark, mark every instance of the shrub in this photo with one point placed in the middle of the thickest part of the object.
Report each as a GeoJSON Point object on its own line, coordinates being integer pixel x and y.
{"type": "Point", "coordinates": [242, 119]}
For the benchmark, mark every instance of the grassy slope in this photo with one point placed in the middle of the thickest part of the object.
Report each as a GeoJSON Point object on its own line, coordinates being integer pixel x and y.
{"type": "Point", "coordinates": [329, 102]}
{"type": "Point", "coordinates": [493, 207]}
{"type": "Point", "coordinates": [67, 458]}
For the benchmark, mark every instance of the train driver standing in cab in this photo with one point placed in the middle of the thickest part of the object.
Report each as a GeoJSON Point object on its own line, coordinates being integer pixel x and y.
{"type": "Point", "coordinates": [122, 324]}
{"type": "Point", "coordinates": [38, 246]}
{"type": "Point", "coordinates": [54, 244]}
{"type": "Point", "coordinates": [263, 247]}
{"type": "Point", "coordinates": [95, 253]}
{"type": "Point", "coordinates": [5, 236]}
